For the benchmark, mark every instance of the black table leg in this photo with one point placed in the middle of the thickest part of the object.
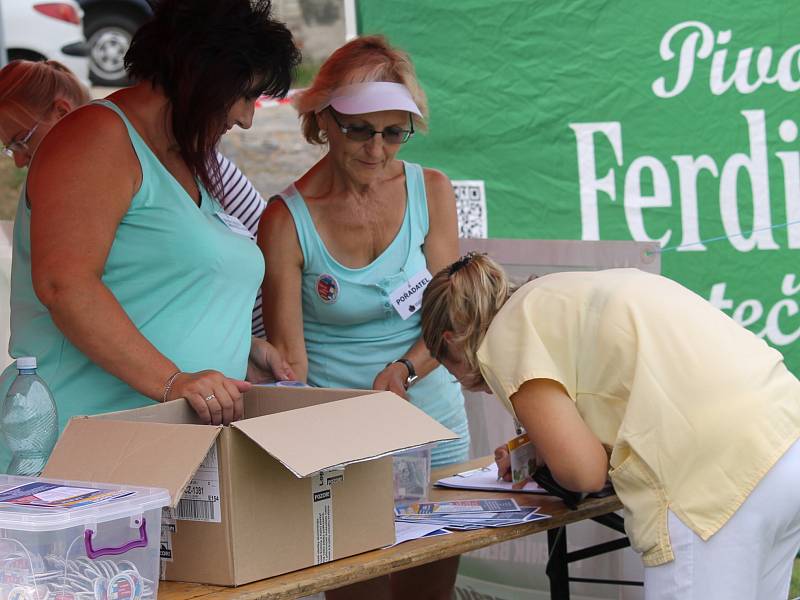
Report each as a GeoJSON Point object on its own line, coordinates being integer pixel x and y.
{"type": "Point", "coordinates": [557, 566]}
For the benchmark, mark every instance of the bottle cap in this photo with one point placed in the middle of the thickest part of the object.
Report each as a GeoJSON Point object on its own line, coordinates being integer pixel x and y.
{"type": "Point", "coordinates": [26, 362]}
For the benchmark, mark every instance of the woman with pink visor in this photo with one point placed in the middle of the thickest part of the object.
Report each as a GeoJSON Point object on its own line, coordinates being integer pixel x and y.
{"type": "Point", "coordinates": [349, 249]}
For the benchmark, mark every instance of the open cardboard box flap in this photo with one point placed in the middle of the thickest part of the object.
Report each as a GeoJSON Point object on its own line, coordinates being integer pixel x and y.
{"type": "Point", "coordinates": [129, 452]}
{"type": "Point", "coordinates": [311, 439]}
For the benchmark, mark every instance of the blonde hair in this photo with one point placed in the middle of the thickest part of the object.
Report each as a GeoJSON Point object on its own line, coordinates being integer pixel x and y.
{"type": "Point", "coordinates": [463, 299]}
{"type": "Point", "coordinates": [32, 87]}
{"type": "Point", "coordinates": [364, 59]}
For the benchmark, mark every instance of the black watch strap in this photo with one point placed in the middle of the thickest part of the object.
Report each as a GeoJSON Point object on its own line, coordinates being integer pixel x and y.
{"type": "Point", "coordinates": [412, 373]}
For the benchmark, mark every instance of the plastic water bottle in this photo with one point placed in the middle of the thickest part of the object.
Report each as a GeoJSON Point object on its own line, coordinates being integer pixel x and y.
{"type": "Point", "coordinates": [29, 420]}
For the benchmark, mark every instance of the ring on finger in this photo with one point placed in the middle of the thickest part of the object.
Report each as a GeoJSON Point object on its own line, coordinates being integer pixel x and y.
{"type": "Point", "coordinates": [211, 397]}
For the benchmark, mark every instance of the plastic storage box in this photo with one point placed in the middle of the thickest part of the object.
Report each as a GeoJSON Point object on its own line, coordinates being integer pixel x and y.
{"type": "Point", "coordinates": [411, 470]}
{"type": "Point", "coordinates": [70, 540]}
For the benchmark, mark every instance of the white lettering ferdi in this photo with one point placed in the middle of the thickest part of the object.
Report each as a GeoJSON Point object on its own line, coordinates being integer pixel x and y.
{"type": "Point", "coordinates": [682, 47]}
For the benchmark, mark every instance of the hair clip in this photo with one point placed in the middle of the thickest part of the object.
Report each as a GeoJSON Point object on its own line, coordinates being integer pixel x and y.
{"type": "Point", "coordinates": [462, 262]}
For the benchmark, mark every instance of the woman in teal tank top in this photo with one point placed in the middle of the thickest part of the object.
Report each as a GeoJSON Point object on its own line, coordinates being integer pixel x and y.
{"type": "Point", "coordinates": [349, 249]}
{"type": "Point", "coordinates": [129, 284]}
{"type": "Point", "coordinates": [350, 338]}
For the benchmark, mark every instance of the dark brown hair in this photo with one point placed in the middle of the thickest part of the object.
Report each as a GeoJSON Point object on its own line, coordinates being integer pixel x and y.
{"type": "Point", "coordinates": [206, 55]}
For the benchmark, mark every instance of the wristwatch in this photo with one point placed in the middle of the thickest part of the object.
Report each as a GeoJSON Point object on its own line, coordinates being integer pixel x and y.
{"type": "Point", "coordinates": [412, 373]}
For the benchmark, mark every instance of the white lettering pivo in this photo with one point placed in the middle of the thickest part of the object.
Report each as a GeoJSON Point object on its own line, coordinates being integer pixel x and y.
{"type": "Point", "coordinates": [593, 138]}
{"type": "Point", "coordinates": [750, 196]}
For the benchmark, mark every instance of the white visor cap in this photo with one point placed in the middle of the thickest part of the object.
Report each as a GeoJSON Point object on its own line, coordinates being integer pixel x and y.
{"type": "Point", "coordinates": [372, 96]}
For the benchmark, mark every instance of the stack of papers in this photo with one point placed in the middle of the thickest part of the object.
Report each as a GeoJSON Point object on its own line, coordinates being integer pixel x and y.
{"type": "Point", "coordinates": [405, 532]}
{"type": "Point", "coordinates": [424, 519]}
{"type": "Point", "coordinates": [485, 479]}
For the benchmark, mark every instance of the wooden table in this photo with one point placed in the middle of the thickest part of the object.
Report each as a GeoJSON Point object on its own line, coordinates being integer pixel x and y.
{"type": "Point", "coordinates": [417, 552]}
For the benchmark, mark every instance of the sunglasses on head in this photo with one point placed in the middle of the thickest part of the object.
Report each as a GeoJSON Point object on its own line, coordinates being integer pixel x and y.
{"type": "Point", "coordinates": [362, 133]}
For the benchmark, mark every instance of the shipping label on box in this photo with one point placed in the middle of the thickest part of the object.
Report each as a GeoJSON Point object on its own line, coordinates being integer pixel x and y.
{"type": "Point", "coordinates": [201, 498]}
{"type": "Point", "coordinates": [165, 551]}
{"type": "Point", "coordinates": [322, 499]}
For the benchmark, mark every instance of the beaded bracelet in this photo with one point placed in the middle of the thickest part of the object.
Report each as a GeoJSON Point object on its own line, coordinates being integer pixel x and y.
{"type": "Point", "coordinates": [168, 385]}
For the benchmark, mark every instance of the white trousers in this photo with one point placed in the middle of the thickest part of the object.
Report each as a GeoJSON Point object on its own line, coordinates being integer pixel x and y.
{"type": "Point", "coordinates": [749, 558]}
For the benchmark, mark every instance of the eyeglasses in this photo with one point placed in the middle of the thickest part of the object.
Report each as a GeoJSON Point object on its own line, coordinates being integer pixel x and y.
{"type": "Point", "coordinates": [20, 145]}
{"type": "Point", "coordinates": [362, 133]}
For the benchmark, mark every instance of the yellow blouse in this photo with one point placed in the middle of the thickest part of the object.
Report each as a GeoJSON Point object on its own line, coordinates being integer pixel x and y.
{"type": "Point", "coordinates": [696, 408]}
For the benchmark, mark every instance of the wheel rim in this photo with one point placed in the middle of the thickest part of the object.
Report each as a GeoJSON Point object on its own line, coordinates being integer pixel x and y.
{"type": "Point", "coordinates": [108, 48]}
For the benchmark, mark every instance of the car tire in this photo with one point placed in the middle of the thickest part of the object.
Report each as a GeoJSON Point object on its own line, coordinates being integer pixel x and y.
{"type": "Point", "coordinates": [108, 37]}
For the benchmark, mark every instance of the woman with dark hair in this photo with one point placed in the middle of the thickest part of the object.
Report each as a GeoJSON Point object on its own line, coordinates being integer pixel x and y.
{"type": "Point", "coordinates": [34, 95]}
{"type": "Point", "coordinates": [141, 288]}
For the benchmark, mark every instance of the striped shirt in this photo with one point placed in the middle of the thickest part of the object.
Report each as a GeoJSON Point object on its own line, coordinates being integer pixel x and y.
{"type": "Point", "coordinates": [241, 200]}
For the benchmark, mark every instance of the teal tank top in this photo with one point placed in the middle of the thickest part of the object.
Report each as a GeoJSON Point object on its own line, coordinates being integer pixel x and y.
{"type": "Point", "coordinates": [187, 282]}
{"type": "Point", "coordinates": [351, 330]}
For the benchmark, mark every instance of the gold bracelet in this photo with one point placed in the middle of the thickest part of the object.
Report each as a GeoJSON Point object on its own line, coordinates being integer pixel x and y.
{"type": "Point", "coordinates": [168, 385]}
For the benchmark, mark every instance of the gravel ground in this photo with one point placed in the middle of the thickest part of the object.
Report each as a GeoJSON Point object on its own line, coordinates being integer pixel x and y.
{"type": "Point", "coordinates": [272, 153]}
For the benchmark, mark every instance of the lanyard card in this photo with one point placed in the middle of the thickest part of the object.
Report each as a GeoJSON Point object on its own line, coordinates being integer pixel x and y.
{"type": "Point", "coordinates": [523, 458]}
{"type": "Point", "coordinates": [406, 299]}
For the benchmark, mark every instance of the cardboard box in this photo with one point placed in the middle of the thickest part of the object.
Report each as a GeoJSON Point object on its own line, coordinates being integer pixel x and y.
{"type": "Point", "coordinates": [304, 478]}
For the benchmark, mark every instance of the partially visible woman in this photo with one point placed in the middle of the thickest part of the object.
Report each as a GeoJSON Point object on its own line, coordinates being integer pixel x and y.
{"type": "Point", "coordinates": [349, 248]}
{"type": "Point", "coordinates": [43, 91]}
{"type": "Point", "coordinates": [241, 199]}
{"type": "Point", "coordinates": [48, 90]}
{"type": "Point", "coordinates": [702, 417]}
{"type": "Point", "coordinates": [132, 286]}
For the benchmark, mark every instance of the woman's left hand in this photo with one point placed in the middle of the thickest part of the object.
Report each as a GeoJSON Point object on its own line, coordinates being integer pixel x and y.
{"type": "Point", "coordinates": [266, 364]}
{"type": "Point", "coordinates": [392, 379]}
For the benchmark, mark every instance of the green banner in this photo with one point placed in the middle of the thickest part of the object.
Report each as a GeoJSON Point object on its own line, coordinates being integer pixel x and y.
{"type": "Point", "coordinates": [672, 122]}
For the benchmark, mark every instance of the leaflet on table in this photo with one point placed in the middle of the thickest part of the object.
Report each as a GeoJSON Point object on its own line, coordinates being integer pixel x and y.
{"type": "Point", "coordinates": [458, 506]}
{"type": "Point", "coordinates": [521, 514]}
{"type": "Point", "coordinates": [468, 526]}
{"type": "Point", "coordinates": [405, 532]}
{"type": "Point", "coordinates": [485, 479]}
{"type": "Point", "coordinates": [53, 495]}
{"type": "Point", "coordinates": [466, 521]}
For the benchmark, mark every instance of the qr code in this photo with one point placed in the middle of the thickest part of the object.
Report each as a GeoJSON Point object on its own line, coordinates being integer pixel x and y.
{"type": "Point", "coordinates": [471, 208]}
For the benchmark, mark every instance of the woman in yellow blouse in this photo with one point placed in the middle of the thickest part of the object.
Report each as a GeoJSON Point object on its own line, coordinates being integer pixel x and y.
{"type": "Point", "coordinates": [701, 416]}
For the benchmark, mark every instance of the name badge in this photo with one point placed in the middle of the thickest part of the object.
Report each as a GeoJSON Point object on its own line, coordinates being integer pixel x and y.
{"type": "Point", "coordinates": [523, 458]}
{"type": "Point", "coordinates": [407, 298]}
{"type": "Point", "coordinates": [234, 224]}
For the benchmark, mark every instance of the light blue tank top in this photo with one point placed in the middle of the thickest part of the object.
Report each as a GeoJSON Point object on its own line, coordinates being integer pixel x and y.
{"type": "Point", "coordinates": [186, 281]}
{"type": "Point", "coordinates": [351, 330]}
